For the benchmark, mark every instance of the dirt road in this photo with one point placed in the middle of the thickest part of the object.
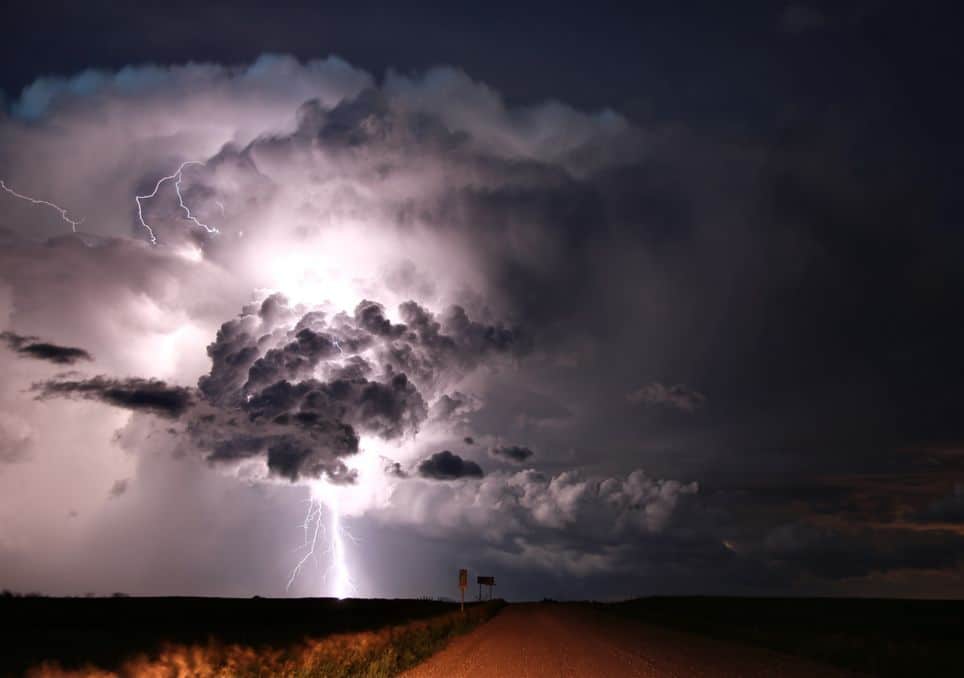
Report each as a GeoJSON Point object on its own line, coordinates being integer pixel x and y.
{"type": "Point", "coordinates": [534, 640]}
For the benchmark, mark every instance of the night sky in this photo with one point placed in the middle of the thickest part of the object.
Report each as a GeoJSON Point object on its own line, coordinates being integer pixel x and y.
{"type": "Point", "coordinates": [601, 302]}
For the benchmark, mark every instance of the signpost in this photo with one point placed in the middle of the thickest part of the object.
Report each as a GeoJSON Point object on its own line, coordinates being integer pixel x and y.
{"type": "Point", "coordinates": [463, 582]}
{"type": "Point", "coordinates": [485, 581]}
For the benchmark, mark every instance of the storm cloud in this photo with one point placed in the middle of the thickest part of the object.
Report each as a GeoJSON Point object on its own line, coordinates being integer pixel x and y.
{"type": "Point", "coordinates": [264, 367]}
{"type": "Point", "coordinates": [146, 395]}
{"type": "Point", "coordinates": [33, 347]}
{"type": "Point", "coordinates": [712, 340]}
{"type": "Point", "coordinates": [515, 454]}
{"type": "Point", "coordinates": [447, 466]}
{"type": "Point", "coordinates": [262, 398]}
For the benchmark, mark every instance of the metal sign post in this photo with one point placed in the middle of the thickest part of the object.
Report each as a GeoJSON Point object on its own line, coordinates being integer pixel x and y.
{"type": "Point", "coordinates": [463, 582]}
{"type": "Point", "coordinates": [485, 581]}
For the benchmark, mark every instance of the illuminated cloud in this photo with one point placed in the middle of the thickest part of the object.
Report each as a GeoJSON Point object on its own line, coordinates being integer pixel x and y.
{"type": "Point", "coordinates": [423, 268]}
{"type": "Point", "coordinates": [297, 389]}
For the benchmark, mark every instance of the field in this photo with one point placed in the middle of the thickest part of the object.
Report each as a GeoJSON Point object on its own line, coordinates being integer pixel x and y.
{"type": "Point", "coordinates": [59, 637]}
{"type": "Point", "coordinates": [212, 636]}
{"type": "Point", "coordinates": [872, 636]}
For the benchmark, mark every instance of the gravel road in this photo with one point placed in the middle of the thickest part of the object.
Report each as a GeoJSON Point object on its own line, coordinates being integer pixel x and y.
{"type": "Point", "coordinates": [555, 639]}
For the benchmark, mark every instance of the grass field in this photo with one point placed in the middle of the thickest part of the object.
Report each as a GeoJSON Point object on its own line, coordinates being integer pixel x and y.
{"type": "Point", "coordinates": [877, 637]}
{"type": "Point", "coordinates": [326, 637]}
{"type": "Point", "coordinates": [226, 637]}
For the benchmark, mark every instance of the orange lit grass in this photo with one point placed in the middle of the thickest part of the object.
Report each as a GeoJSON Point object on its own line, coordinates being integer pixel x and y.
{"type": "Point", "coordinates": [373, 654]}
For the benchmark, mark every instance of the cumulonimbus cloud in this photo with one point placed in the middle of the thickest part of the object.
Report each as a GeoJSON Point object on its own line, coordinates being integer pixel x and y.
{"type": "Point", "coordinates": [296, 387]}
{"type": "Point", "coordinates": [404, 242]}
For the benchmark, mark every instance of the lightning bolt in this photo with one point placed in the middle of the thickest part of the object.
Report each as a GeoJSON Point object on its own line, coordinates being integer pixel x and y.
{"type": "Point", "coordinates": [313, 516]}
{"type": "Point", "coordinates": [176, 177]}
{"type": "Point", "coordinates": [74, 223]}
{"type": "Point", "coordinates": [343, 585]}
{"type": "Point", "coordinates": [323, 496]}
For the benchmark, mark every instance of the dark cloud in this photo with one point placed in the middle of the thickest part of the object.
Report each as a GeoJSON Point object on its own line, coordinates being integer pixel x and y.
{"type": "Point", "coordinates": [370, 315]}
{"type": "Point", "coordinates": [297, 429]}
{"type": "Point", "coordinates": [288, 459]}
{"type": "Point", "coordinates": [946, 509]}
{"type": "Point", "coordinates": [142, 395]}
{"type": "Point", "coordinates": [296, 359]}
{"type": "Point", "coordinates": [263, 365]}
{"type": "Point", "coordinates": [352, 369]}
{"type": "Point", "coordinates": [395, 469]}
{"type": "Point", "coordinates": [388, 409]}
{"type": "Point", "coordinates": [118, 488]}
{"type": "Point", "coordinates": [833, 553]}
{"type": "Point", "coordinates": [569, 522]}
{"type": "Point", "coordinates": [32, 347]}
{"type": "Point", "coordinates": [515, 454]}
{"type": "Point", "coordinates": [447, 466]}
{"type": "Point", "coordinates": [262, 399]}
{"type": "Point", "coordinates": [679, 397]}
{"type": "Point", "coordinates": [423, 350]}
{"type": "Point", "coordinates": [433, 347]}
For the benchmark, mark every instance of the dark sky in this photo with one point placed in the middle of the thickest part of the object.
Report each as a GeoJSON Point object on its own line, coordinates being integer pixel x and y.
{"type": "Point", "coordinates": [703, 60]}
{"type": "Point", "coordinates": [885, 68]}
{"type": "Point", "coordinates": [705, 298]}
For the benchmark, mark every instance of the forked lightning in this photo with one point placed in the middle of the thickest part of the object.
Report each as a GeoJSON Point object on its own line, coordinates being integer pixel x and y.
{"type": "Point", "coordinates": [176, 178]}
{"type": "Point", "coordinates": [323, 497]}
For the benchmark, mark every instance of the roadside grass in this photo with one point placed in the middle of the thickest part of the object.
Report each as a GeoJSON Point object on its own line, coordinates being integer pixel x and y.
{"type": "Point", "coordinates": [365, 654]}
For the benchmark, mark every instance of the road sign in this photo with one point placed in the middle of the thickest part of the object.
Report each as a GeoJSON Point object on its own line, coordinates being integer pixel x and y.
{"type": "Point", "coordinates": [463, 582]}
{"type": "Point", "coordinates": [485, 581]}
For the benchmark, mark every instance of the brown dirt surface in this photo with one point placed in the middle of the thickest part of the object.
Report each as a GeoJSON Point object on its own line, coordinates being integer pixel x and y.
{"type": "Point", "coordinates": [556, 639]}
